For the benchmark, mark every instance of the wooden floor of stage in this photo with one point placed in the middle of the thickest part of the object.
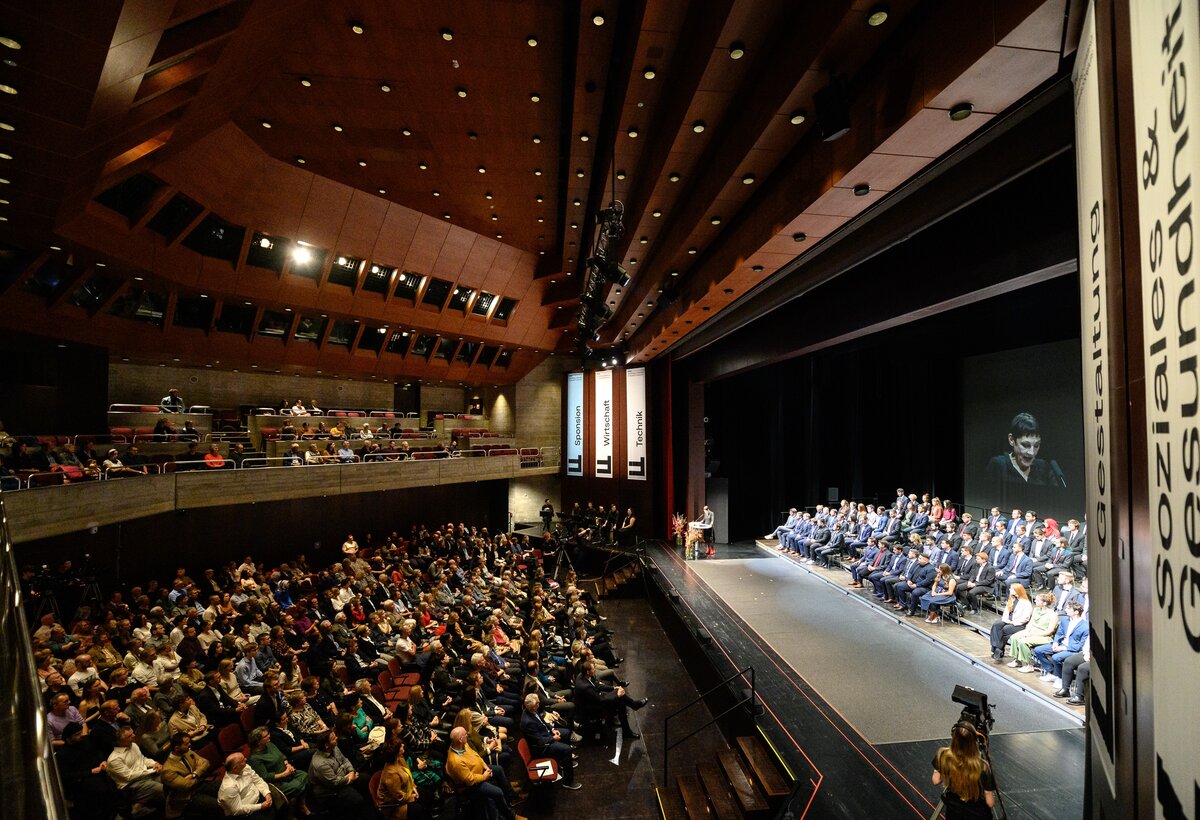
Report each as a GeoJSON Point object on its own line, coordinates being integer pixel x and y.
{"type": "Point", "coordinates": [857, 699]}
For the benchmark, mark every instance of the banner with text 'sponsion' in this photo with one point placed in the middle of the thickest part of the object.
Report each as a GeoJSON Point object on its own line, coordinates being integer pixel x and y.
{"type": "Point", "coordinates": [575, 424]}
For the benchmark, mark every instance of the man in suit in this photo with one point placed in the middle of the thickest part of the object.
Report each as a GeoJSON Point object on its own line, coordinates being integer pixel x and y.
{"type": "Point", "coordinates": [891, 567]}
{"type": "Point", "coordinates": [964, 565]}
{"type": "Point", "coordinates": [891, 531]}
{"type": "Point", "coordinates": [219, 709]}
{"type": "Point", "coordinates": [819, 538]}
{"type": "Point", "coordinates": [1076, 535]}
{"type": "Point", "coordinates": [271, 704]}
{"type": "Point", "coordinates": [1000, 556]}
{"type": "Point", "coordinates": [1072, 634]}
{"type": "Point", "coordinates": [546, 741]}
{"type": "Point", "coordinates": [994, 519]}
{"type": "Point", "coordinates": [969, 526]}
{"type": "Point", "coordinates": [837, 544]}
{"type": "Point", "coordinates": [904, 568]}
{"type": "Point", "coordinates": [595, 699]}
{"type": "Point", "coordinates": [858, 542]}
{"type": "Point", "coordinates": [1065, 592]}
{"type": "Point", "coordinates": [1010, 528]}
{"type": "Point", "coordinates": [185, 783]}
{"type": "Point", "coordinates": [872, 557]}
{"type": "Point", "coordinates": [1019, 571]}
{"type": "Point", "coordinates": [980, 581]}
{"type": "Point", "coordinates": [1041, 546]}
{"type": "Point", "coordinates": [908, 593]}
{"type": "Point", "coordinates": [1021, 537]}
{"type": "Point", "coordinates": [1061, 559]}
{"type": "Point", "coordinates": [793, 515]}
{"type": "Point", "coordinates": [918, 523]}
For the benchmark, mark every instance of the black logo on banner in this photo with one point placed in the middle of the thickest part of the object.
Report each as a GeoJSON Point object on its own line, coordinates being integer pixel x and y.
{"type": "Point", "coordinates": [604, 466]}
{"type": "Point", "coordinates": [637, 469]}
{"type": "Point", "coordinates": [575, 464]}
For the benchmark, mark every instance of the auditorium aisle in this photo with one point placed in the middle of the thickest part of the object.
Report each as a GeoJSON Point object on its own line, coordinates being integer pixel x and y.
{"type": "Point", "coordinates": [865, 698]}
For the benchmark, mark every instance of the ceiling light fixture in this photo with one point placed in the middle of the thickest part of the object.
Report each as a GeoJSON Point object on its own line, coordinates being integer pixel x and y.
{"type": "Point", "coordinates": [583, 136]}
{"type": "Point", "coordinates": [264, 243]}
{"type": "Point", "coordinates": [406, 132]}
{"type": "Point", "coordinates": [644, 240]}
{"type": "Point", "coordinates": [437, 193]}
{"type": "Point", "coordinates": [307, 83]}
{"type": "Point", "coordinates": [7, 126]}
{"type": "Point", "coordinates": [757, 268]}
{"type": "Point", "coordinates": [632, 133]}
{"type": "Point", "coordinates": [798, 116]}
{"type": "Point", "coordinates": [487, 195]}
{"type": "Point", "coordinates": [716, 220]}
{"type": "Point", "coordinates": [862, 189]}
{"type": "Point", "coordinates": [301, 255]}
{"type": "Point", "coordinates": [537, 140]}
{"type": "Point", "coordinates": [535, 97]}
{"type": "Point", "coordinates": [362, 163]}
{"type": "Point", "coordinates": [674, 176]}
{"type": "Point", "coordinates": [598, 18]}
{"type": "Point", "coordinates": [9, 42]}
{"type": "Point", "coordinates": [877, 16]}
{"type": "Point", "coordinates": [656, 213]}
{"type": "Point", "coordinates": [460, 91]}
{"type": "Point", "coordinates": [301, 160]}
{"type": "Point", "coordinates": [531, 41]}
{"type": "Point", "coordinates": [102, 264]}
{"type": "Point", "coordinates": [649, 73]}
{"type": "Point", "coordinates": [445, 216]}
{"type": "Point", "coordinates": [447, 34]}
{"type": "Point", "coordinates": [961, 111]}
{"type": "Point", "coordinates": [692, 251]}
{"type": "Point", "coordinates": [620, 175]}
{"type": "Point", "coordinates": [537, 172]}
{"type": "Point", "coordinates": [698, 126]}
{"type": "Point", "coordinates": [481, 169]}
{"type": "Point", "coordinates": [337, 128]}
{"type": "Point", "coordinates": [471, 135]}
{"type": "Point", "coordinates": [579, 173]}
{"type": "Point", "coordinates": [737, 50]}
{"type": "Point", "coordinates": [385, 88]}
{"type": "Point", "coordinates": [748, 179]}
{"type": "Point", "coordinates": [539, 198]}
{"type": "Point", "coordinates": [422, 166]}
{"type": "Point", "coordinates": [799, 236]}
{"type": "Point", "coordinates": [383, 190]}
{"type": "Point", "coordinates": [5, 156]}
{"type": "Point", "coordinates": [357, 27]}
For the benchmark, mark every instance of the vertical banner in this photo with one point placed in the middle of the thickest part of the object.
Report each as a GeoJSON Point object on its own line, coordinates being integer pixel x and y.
{"type": "Point", "coordinates": [604, 424]}
{"type": "Point", "coordinates": [635, 424]}
{"type": "Point", "coordinates": [1093, 299]}
{"type": "Point", "coordinates": [1164, 38]}
{"type": "Point", "coordinates": [575, 424]}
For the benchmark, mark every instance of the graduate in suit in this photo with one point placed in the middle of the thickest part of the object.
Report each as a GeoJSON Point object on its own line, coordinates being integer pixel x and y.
{"type": "Point", "coordinates": [909, 593]}
{"type": "Point", "coordinates": [872, 557]}
{"type": "Point", "coordinates": [1019, 571]}
{"type": "Point", "coordinates": [979, 581]}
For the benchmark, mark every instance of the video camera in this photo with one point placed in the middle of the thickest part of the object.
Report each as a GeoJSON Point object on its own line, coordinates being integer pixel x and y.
{"type": "Point", "coordinates": [976, 709]}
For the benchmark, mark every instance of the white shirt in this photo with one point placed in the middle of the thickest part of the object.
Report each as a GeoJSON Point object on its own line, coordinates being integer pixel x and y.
{"type": "Point", "coordinates": [127, 765]}
{"type": "Point", "coordinates": [242, 793]}
{"type": "Point", "coordinates": [81, 677]}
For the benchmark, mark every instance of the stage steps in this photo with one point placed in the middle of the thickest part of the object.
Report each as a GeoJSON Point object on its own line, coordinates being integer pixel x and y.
{"type": "Point", "coordinates": [613, 581]}
{"type": "Point", "coordinates": [742, 783]}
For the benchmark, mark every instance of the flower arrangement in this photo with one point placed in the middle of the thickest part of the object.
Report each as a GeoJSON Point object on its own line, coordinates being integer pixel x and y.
{"type": "Point", "coordinates": [678, 525]}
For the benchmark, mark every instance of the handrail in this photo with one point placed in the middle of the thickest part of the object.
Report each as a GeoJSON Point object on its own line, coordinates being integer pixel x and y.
{"type": "Point", "coordinates": [25, 744]}
{"type": "Point", "coordinates": [752, 700]}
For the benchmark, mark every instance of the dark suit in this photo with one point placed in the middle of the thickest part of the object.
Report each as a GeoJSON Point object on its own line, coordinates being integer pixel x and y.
{"type": "Point", "coordinates": [595, 700]}
{"type": "Point", "coordinates": [891, 585]}
{"type": "Point", "coordinates": [1019, 573]}
{"type": "Point", "coordinates": [983, 578]}
{"type": "Point", "coordinates": [888, 569]}
{"type": "Point", "coordinates": [920, 582]}
{"type": "Point", "coordinates": [971, 527]}
{"type": "Point", "coordinates": [818, 539]}
{"type": "Point", "coordinates": [540, 736]}
{"type": "Point", "coordinates": [1061, 559]}
{"type": "Point", "coordinates": [872, 559]}
{"type": "Point", "coordinates": [218, 707]}
{"type": "Point", "coordinates": [268, 709]}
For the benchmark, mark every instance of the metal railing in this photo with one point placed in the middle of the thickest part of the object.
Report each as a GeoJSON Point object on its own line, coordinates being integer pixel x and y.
{"type": "Point", "coordinates": [29, 777]}
{"type": "Point", "coordinates": [748, 702]}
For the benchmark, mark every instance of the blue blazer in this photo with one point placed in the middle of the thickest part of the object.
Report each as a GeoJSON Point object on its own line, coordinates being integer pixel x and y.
{"type": "Point", "coordinates": [920, 522]}
{"type": "Point", "coordinates": [1021, 569]}
{"type": "Point", "coordinates": [923, 576]}
{"type": "Point", "coordinates": [1076, 639]}
{"type": "Point", "coordinates": [869, 554]}
{"type": "Point", "coordinates": [1001, 560]}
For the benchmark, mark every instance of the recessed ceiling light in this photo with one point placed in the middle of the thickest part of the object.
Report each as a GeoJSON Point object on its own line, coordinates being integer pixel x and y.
{"type": "Point", "coordinates": [579, 173]}
{"type": "Point", "coordinates": [737, 50]}
{"type": "Point", "coordinates": [862, 189]}
{"type": "Point", "coordinates": [576, 202]}
{"type": "Point", "coordinates": [383, 190]}
{"type": "Point", "coordinates": [539, 198]}
{"type": "Point", "coordinates": [481, 169]}
{"type": "Point", "coordinates": [877, 16]}
{"type": "Point", "coordinates": [499, 236]}
{"type": "Point", "coordinates": [264, 243]}
{"type": "Point", "coordinates": [337, 128]}
{"type": "Point", "coordinates": [4, 181]}
{"type": "Point", "coordinates": [8, 126]}
{"type": "Point", "coordinates": [674, 176]}
{"type": "Point", "coordinates": [301, 160]}
{"type": "Point", "coordinates": [531, 41]}
{"type": "Point", "coordinates": [692, 251]}
{"type": "Point", "coordinates": [961, 111]}
{"type": "Point", "coordinates": [471, 135]}
{"type": "Point", "coordinates": [798, 116]}
{"type": "Point", "coordinates": [583, 136]}
{"type": "Point", "coordinates": [4, 202]}
{"type": "Point", "coordinates": [748, 179]}
{"type": "Point", "coordinates": [5, 156]}
{"type": "Point", "coordinates": [757, 268]}
{"type": "Point", "coordinates": [649, 73]}
{"type": "Point", "coordinates": [598, 18]}
{"type": "Point", "coordinates": [656, 213]}
{"type": "Point", "coordinates": [307, 83]}
{"type": "Point", "coordinates": [385, 88]}
{"type": "Point", "coordinates": [644, 240]}
{"type": "Point", "coordinates": [422, 166]}
{"type": "Point", "coordinates": [537, 172]}
{"type": "Point", "coordinates": [633, 133]}
{"type": "Point", "coordinates": [535, 97]}
{"type": "Point", "coordinates": [362, 163]}
{"type": "Point", "coordinates": [698, 127]}
{"type": "Point", "coordinates": [136, 278]}
{"type": "Point", "coordinates": [620, 175]}
{"type": "Point", "coordinates": [245, 303]}
{"type": "Point", "coordinates": [447, 34]}
{"type": "Point", "coordinates": [487, 195]}
{"type": "Point", "coordinates": [460, 91]}
{"type": "Point", "coordinates": [541, 219]}
{"type": "Point", "coordinates": [56, 247]}
{"type": "Point", "coordinates": [102, 264]}
{"type": "Point", "coordinates": [574, 225]}
{"type": "Point", "coordinates": [437, 193]}
{"type": "Point", "coordinates": [799, 236]}
{"type": "Point", "coordinates": [203, 295]}
{"type": "Point", "coordinates": [7, 89]}
{"type": "Point", "coordinates": [495, 217]}
{"type": "Point", "coordinates": [406, 132]}
{"type": "Point", "coordinates": [716, 220]}
{"type": "Point", "coordinates": [537, 140]}
{"type": "Point", "coordinates": [9, 42]}
{"type": "Point", "coordinates": [445, 216]}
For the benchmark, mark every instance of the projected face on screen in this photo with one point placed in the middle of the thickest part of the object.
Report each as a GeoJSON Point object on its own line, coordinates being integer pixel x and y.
{"type": "Point", "coordinates": [1025, 442]}
{"type": "Point", "coordinates": [1021, 466]}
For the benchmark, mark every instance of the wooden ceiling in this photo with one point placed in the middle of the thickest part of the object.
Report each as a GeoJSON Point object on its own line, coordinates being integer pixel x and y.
{"type": "Point", "coordinates": [406, 137]}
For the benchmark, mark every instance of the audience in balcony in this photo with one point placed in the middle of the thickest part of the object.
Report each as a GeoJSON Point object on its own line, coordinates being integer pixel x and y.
{"type": "Point", "coordinates": [172, 403]}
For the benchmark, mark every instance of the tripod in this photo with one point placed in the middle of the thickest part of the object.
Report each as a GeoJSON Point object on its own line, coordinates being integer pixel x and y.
{"type": "Point", "coordinates": [91, 595]}
{"type": "Point", "coordinates": [47, 603]}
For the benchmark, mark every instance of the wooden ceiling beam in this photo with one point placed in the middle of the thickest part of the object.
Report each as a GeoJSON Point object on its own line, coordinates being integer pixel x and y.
{"type": "Point", "coordinates": [218, 306]}
{"type": "Point", "coordinates": [291, 332]}
{"type": "Point", "coordinates": [82, 272]}
{"type": "Point", "coordinates": [191, 226]}
{"type": "Point", "coordinates": [151, 209]}
{"type": "Point", "coordinates": [361, 328]}
{"type": "Point", "coordinates": [258, 317]}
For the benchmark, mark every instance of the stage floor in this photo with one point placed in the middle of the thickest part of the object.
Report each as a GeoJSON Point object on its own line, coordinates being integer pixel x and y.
{"type": "Point", "coordinates": [864, 700]}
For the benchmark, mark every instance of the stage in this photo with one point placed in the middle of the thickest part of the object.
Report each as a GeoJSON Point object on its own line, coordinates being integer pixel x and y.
{"type": "Point", "coordinates": [857, 701]}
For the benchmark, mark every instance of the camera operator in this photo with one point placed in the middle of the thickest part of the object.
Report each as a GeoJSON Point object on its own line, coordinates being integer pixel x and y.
{"type": "Point", "coordinates": [970, 791]}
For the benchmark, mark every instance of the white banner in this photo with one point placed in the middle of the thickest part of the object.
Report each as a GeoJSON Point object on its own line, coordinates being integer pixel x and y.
{"type": "Point", "coordinates": [575, 424]}
{"type": "Point", "coordinates": [1093, 276]}
{"type": "Point", "coordinates": [635, 424]}
{"type": "Point", "coordinates": [604, 424]}
{"type": "Point", "coordinates": [1165, 64]}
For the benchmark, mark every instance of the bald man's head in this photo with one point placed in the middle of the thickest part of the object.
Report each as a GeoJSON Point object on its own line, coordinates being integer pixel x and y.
{"type": "Point", "coordinates": [458, 737]}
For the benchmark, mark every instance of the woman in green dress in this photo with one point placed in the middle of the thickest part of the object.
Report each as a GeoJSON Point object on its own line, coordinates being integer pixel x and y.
{"type": "Point", "coordinates": [270, 764]}
{"type": "Point", "coordinates": [1040, 629]}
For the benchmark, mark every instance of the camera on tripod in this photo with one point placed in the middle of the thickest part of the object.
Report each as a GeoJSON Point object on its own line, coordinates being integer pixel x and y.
{"type": "Point", "coordinates": [976, 709]}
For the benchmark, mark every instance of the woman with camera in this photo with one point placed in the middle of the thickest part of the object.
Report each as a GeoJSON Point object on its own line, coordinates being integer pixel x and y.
{"type": "Point", "coordinates": [969, 790]}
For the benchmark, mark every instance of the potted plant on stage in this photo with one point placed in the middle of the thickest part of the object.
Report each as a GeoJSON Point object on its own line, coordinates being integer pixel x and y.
{"type": "Point", "coordinates": [679, 527]}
